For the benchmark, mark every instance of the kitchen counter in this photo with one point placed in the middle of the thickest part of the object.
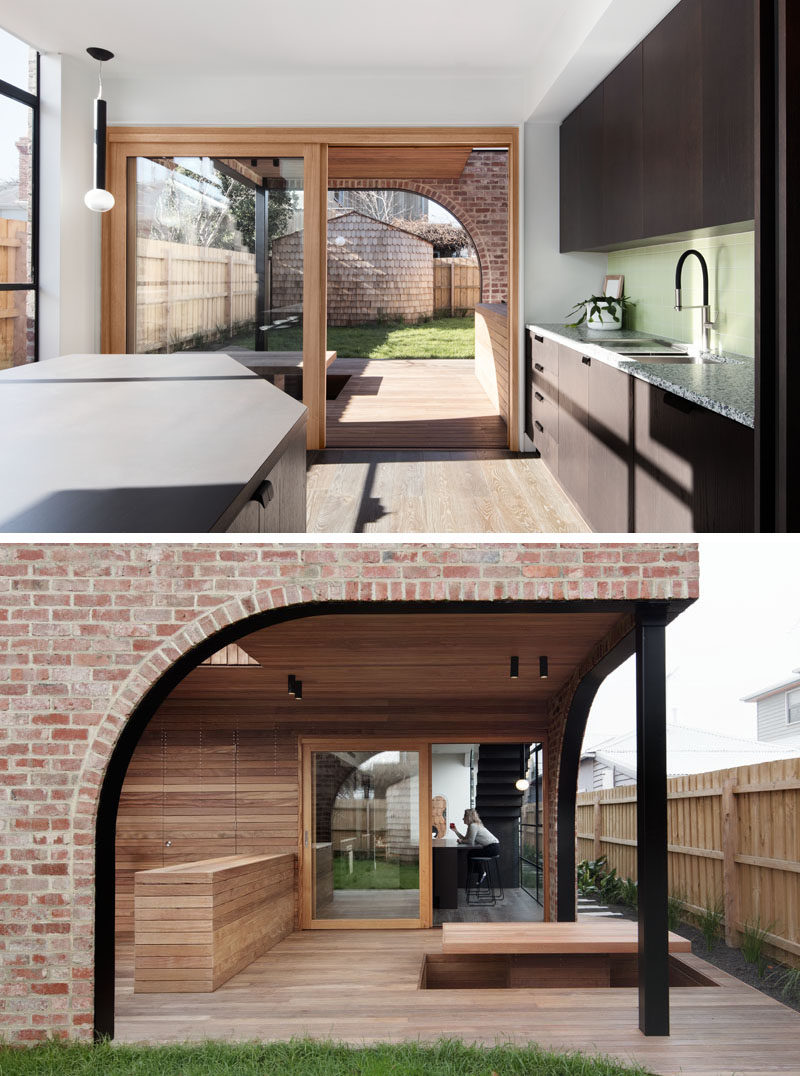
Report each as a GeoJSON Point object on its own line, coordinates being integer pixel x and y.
{"type": "Point", "coordinates": [143, 443]}
{"type": "Point", "coordinates": [726, 387]}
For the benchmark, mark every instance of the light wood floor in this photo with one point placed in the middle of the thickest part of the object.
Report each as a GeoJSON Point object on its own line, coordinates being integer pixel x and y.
{"type": "Point", "coordinates": [489, 491]}
{"type": "Point", "coordinates": [362, 986]}
{"type": "Point", "coordinates": [412, 403]}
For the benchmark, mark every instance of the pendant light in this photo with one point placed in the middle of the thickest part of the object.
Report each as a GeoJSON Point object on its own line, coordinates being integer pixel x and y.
{"type": "Point", "coordinates": [98, 199]}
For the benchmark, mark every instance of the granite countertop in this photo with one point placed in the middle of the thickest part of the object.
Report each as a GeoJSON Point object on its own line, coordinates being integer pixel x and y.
{"type": "Point", "coordinates": [726, 385]}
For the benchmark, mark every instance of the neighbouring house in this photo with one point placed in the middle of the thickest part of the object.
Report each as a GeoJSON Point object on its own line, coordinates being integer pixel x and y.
{"type": "Point", "coordinates": [612, 762]}
{"type": "Point", "coordinates": [376, 272]}
{"type": "Point", "coordinates": [778, 711]}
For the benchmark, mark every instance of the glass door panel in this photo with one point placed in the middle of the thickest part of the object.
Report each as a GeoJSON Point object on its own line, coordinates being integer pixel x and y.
{"type": "Point", "coordinates": [365, 835]}
{"type": "Point", "coordinates": [219, 260]}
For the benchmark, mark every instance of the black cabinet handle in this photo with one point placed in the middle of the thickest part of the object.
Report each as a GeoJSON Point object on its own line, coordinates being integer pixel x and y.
{"type": "Point", "coordinates": [538, 339]}
{"type": "Point", "coordinates": [538, 396]}
{"type": "Point", "coordinates": [538, 366]}
{"type": "Point", "coordinates": [679, 404]}
{"type": "Point", "coordinates": [539, 427]}
{"type": "Point", "coordinates": [586, 360]}
{"type": "Point", "coordinates": [264, 494]}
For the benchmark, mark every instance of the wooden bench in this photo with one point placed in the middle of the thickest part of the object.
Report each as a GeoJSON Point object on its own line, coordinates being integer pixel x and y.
{"type": "Point", "coordinates": [269, 363]}
{"type": "Point", "coordinates": [197, 924]}
{"type": "Point", "coordinates": [599, 936]}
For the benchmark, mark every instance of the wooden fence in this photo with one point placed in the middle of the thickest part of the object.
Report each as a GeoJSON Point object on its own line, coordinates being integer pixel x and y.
{"type": "Point", "coordinates": [456, 284]}
{"type": "Point", "coordinates": [733, 837]}
{"type": "Point", "coordinates": [190, 293]}
{"type": "Point", "coordinates": [13, 304]}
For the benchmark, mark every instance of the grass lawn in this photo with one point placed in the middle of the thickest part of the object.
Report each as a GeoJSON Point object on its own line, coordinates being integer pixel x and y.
{"type": "Point", "coordinates": [380, 875]}
{"type": "Point", "coordinates": [441, 338]}
{"type": "Point", "coordinates": [446, 1058]}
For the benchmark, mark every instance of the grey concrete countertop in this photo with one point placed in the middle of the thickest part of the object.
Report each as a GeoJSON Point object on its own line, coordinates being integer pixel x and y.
{"type": "Point", "coordinates": [143, 443]}
{"type": "Point", "coordinates": [726, 386]}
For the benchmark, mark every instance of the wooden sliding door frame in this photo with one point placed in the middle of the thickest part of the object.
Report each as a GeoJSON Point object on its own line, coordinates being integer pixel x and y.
{"type": "Point", "coordinates": [312, 143]}
{"type": "Point", "coordinates": [307, 746]}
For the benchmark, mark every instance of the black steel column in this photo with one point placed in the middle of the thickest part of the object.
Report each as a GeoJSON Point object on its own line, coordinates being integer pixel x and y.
{"type": "Point", "coordinates": [651, 818]}
{"type": "Point", "coordinates": [777, 226]}
{"type": "Point", "coordinates": [262, 246]}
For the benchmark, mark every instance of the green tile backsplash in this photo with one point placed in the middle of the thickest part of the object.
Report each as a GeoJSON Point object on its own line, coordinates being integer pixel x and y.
{"type": "Point", "coordinates": [650, 282]}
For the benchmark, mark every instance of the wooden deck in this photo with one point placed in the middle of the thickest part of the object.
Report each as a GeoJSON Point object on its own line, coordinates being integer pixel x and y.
{"type": "Point", "coordinates": [412, 403]}
{"type": "Point", "coordinates": [484, 491]}
{"type": "Point", "coordinates": [597, 936]}
{"type": "Point", "coordinates": [363, 986]}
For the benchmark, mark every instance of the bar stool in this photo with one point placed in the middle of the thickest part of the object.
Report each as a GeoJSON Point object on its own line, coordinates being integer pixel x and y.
{"type": "Point", "coordinates": [492, 890]}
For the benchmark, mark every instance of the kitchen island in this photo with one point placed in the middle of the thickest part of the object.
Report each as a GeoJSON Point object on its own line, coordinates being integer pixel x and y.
{"type": "Point", "coordinates": [180, 443]}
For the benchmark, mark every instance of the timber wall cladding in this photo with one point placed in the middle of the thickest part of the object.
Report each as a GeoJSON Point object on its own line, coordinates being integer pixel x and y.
{"type": "Point", "coordinates": [379, 272]}
{"type": "Point", "coordinates": [86, 630]}
{"type": "Point", "coordinates": [733, 837]}
{"type": "Point", "coordinates": [196, 790]}
{"type": "Point", "coordinates": [478, 199]}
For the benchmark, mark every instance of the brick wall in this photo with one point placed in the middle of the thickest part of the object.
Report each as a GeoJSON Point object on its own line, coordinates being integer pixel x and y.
{"type": "Point", "coordinates": [478, 199]}
{"type": "Point", "coordinates": [85, 630]}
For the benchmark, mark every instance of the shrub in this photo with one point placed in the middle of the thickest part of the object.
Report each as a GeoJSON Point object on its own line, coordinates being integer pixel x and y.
{"type": "Point", "coordinates": [711, 921]}
{"type": "Point", "coordinates": [675, 903]}
{"type": "Point", "coordinates": [754, 935]}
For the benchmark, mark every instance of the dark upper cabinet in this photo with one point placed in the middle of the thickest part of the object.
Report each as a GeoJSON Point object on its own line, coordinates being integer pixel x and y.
{"type": "Point", "coordinates": [623, 207]}
{"type": "Point", "coordinates": [728, 41]}
{"type": "Point", "coordinates": [672, 109]}
{"type": "Point", "coordinates": [665, 143]}
{"type": "Point", "coordinates": [569, 182]}
{"type": "Point", "coordinates": [581, 164]}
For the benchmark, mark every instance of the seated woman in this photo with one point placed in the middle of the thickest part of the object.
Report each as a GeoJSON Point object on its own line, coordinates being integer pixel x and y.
{"type": "Point", "coordinates": [478, 834]}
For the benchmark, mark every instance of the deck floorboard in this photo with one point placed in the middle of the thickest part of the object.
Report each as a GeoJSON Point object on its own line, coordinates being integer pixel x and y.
{"type": "Point", "coordinates": [362, 986]}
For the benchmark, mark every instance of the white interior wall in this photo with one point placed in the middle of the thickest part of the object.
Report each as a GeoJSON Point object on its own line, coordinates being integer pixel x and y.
{"type": "Point", "coordinates": [553, 282]}
{"type": "Point", "coordinates": [450, 778]}
{"type": "Point", "coordinates": [69, 295]}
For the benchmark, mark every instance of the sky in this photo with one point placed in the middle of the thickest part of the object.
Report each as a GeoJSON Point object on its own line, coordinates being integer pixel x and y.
{"type": "Point", "coordinates": [13, 116]}
{"type": "Point", "coordinates": [741, 635]}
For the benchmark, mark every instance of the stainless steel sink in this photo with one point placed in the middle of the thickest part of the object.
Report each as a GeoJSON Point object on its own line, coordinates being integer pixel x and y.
{"type": "Point", "coordinates": [669, 358]}
{"type": "Point", "coordinates": [651, 349]}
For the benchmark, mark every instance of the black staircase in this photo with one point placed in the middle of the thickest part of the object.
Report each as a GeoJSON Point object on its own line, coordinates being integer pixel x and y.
{"type": "Point", "coordinates": [499, 802]}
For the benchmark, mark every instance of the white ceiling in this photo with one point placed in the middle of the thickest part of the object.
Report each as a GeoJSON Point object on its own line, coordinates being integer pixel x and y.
{"type": "Point", "coordinates": [535, 40]}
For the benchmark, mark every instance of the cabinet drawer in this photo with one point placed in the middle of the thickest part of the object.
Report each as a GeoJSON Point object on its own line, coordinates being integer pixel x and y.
{"type": "Point", "coordinates": [546, 444]}
{"type": "Point", "coordinates": [544, 408]}
{"type": "Point", "coordinates": [544, 359]}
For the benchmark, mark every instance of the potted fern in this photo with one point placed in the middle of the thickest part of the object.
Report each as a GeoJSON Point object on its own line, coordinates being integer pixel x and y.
{"type": "Point", "coordinates": [601, 312]}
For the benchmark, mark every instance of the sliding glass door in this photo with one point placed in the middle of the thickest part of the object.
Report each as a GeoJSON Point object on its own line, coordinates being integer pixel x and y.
{"type": "Point", "coordinates": [366, 810]}
{"type": "Point", "coordinates": [219, 260]}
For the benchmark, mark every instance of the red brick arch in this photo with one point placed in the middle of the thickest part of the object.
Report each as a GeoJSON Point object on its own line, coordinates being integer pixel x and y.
{"type": "Point", "coordinates": [90, 631]}
{"type": "Point", "coordinates": [478, 198]}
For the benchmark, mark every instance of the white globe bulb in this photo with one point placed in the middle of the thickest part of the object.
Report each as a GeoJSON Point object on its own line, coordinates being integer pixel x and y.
{"type": "Point", "coordinates": [340, 240]}
{"type": "Point", "coordinates": [522, 784]}
{"type": "Point", "coordinates": [98, 200]}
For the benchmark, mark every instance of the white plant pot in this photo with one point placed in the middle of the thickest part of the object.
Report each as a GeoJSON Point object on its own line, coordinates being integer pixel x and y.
{"type": "Point", "coordinates": [607, 320]}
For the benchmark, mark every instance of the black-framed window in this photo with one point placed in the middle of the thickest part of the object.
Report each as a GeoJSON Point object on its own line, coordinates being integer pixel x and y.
{"type": "Point", "coordinates": [19, 202]}
{"type": "Point", "coordinates": [531, 859]}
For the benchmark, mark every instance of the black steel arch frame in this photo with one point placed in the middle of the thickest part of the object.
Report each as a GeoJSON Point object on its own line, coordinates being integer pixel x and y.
{"type": "Point", "coordinates": [111, 788]}
{"type": "Point", "coordinates": [30, 100]}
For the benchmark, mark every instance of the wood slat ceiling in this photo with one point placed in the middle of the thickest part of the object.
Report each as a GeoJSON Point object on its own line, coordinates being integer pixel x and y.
{"type": "Point", "coordinates": [397, 162]}
{"type": "Point", "coordinates": [428, 659]}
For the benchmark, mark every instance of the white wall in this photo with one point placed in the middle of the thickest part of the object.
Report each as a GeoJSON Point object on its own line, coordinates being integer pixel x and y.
{"type": "Point", "coordinates": [69, 297]}
{"type": "Point", "coordinates": [553, 282]}
{"type": "Point", "coordinates": [450, 778]}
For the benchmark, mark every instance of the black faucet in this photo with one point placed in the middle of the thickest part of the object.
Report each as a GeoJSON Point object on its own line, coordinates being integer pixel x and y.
{"type": "Point", "coordinates": [707, 323]}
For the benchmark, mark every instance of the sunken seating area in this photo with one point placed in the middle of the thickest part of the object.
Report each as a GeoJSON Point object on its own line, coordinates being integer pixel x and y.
{"type": "Point", "coordinates": [575, 956]}
{"type": "Point", "coordinates": [198, 924]}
